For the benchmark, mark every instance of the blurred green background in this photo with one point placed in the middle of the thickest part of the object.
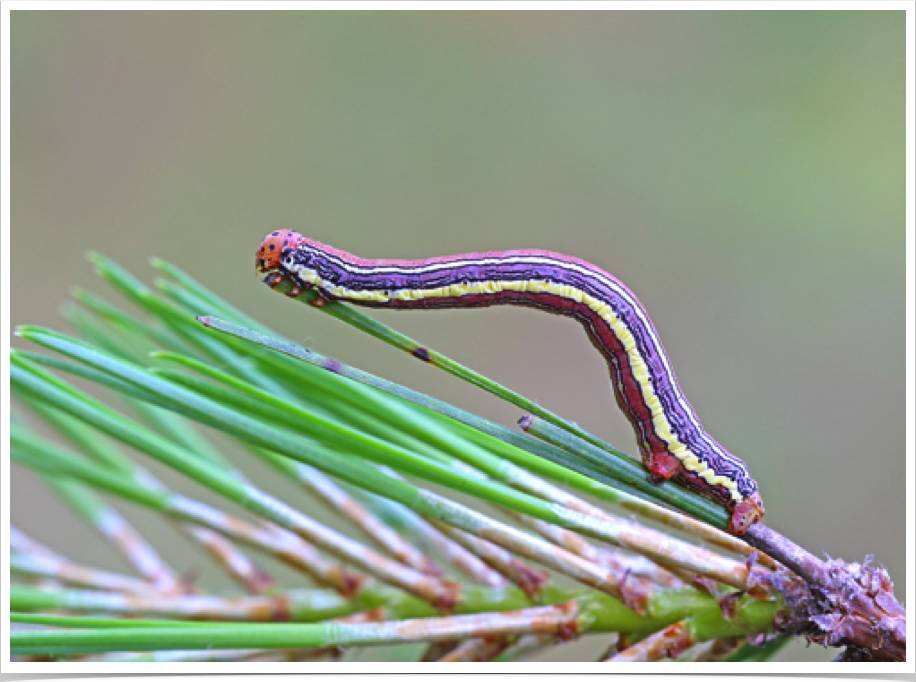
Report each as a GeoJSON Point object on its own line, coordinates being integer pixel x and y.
{"type": "Point", "coordinates": [742, 172]}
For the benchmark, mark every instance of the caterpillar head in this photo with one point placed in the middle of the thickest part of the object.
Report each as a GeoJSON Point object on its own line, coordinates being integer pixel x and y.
{"type": "Point", "coordinates": [274, 247]}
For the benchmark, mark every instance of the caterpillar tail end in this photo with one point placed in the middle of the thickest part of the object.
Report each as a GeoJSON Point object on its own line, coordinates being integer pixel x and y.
{"type": "Point", "coordinates": [746, 513]}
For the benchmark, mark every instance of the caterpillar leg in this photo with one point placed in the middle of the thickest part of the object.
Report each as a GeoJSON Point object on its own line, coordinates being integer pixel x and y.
{"type": "Point", "coordinates": [661, 466]}
{"type": "Point", "coordinates": [277, 278]}
{"type": "Point", "coordinates": [274, 280]}
{"type": "Point", "coordinates": [320, 300]}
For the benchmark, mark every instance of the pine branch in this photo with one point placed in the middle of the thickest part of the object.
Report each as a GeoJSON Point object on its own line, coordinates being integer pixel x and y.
{"type": "Point", "coordinates": [555, 555]}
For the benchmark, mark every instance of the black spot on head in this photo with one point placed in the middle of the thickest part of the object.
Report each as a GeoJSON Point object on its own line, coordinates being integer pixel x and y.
{"type": "Point", "coordinates": [274, 234]}
{"type": "Point", "coordinates": [272, 247]}
{"type": "Point", "coordinates": [285, 242]}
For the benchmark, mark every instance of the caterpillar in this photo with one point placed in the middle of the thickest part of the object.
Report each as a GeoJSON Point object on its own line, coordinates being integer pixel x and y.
{"type": "Point", "coordinates": [672, 442]}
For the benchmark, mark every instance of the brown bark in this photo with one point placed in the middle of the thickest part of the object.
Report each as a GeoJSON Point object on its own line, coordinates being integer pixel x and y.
{"type": "Point", "coordinates": [836, 603]}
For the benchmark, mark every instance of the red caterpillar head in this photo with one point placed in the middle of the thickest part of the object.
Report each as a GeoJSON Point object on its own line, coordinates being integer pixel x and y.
{"type": "Point", "coordinates": [271, 251]}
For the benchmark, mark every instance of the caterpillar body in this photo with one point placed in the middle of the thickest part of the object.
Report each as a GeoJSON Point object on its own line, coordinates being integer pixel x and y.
{"type": "Point", "coordinates": [671, 440]}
